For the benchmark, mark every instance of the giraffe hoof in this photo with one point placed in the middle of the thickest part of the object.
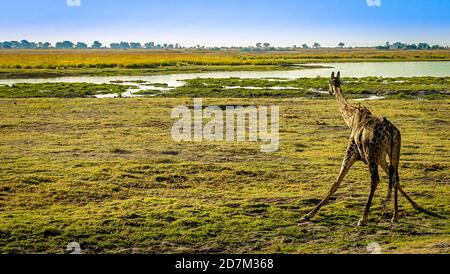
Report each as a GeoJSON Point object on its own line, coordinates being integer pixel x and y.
{"type": "Point", "coordinates": [362, 222]}
{"type": "Point", "coordinates": [304, 220]}
{"type": "Point", "coordinates": [394, 220]}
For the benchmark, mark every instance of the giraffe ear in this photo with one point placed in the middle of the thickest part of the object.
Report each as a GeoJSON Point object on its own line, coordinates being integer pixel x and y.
{"type": "Point", "coordinates": [339, 75]}
{"type": "Point", "coordinates": [332, 75]}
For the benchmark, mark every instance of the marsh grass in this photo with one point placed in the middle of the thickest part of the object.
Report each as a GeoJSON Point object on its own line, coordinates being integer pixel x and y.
{"type": "Point", "coordinates": [60, 90]}
{"type": "Point", "coordinates": [106, 174]}
{"type": "Point", "coordinates": [423, 87]}
{"type": "Point", "coordinates": [408, 88]}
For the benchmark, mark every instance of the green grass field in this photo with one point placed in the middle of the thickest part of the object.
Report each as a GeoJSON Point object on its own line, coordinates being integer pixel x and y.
{"type": "Point", "coordinates": [106, 174]}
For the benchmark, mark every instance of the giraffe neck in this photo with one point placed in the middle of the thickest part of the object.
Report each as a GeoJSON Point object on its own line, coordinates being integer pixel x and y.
{"type": "Point", "coordinates": [347, 110]}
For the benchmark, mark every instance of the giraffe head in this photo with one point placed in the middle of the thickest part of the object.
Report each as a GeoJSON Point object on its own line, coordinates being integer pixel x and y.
{"type": "Point", "coordinates": [334, 83]}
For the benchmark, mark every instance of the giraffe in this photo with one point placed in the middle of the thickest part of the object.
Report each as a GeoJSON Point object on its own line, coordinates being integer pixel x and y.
{"type": "Point", "coordinates": [372, 139]}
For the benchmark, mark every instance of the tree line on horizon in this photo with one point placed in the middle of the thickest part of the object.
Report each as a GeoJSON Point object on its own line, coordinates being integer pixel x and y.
{"type": "Point", "coordinates": [400, 45]}
{"type": "Point", "coordinates": [25, 44]}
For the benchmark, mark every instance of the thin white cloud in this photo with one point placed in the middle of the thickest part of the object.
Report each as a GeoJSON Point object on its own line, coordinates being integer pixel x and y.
{"type": "Point", "coordinates": [374, 3]}
{"type": "Point", "coordinates": [73, 3]}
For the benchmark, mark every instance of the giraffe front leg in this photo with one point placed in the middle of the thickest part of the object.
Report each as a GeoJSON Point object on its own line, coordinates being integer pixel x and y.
{"type": "Point", "coordinates": [350, 158]}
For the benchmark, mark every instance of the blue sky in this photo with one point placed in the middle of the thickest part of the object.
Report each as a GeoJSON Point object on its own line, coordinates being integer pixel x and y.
{"type": "Point", "coordinates": [228, 22]}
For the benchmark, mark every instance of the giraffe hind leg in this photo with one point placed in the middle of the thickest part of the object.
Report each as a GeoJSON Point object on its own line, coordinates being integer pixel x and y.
{"type": "Point", "coordinates": [395, 157]}
{"type": "Point", "coordinates": [389, 172]}
{"type": "Point", "coordinates": [375, 179]}
{"type": "Point", "coordinates": [417, 207]}
{"type": "Point", "coordinates": [387, 169]}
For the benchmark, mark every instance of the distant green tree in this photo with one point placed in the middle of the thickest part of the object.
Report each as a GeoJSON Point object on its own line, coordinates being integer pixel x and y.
{"type": "Point", "coordinates": [398, 45]}
{"type": "Point", "coordinates": [135, 45]}
{"type": "Point", "coordinates": [81, 45]}
{"type": "Point", "coordinates": [124, 45]}
{"type": "Point", "coordinates": [7, 45]}
{"type": "Point", "coordinates": [16, 44]}
{"type": "Point", "coordinates": [305, 46]}
{"type": "Point", "coordinates": [24, 44]}
{"type": "Point", "coordinates": [65, 45]}
{"type": "Point", "coordinates": [114, 45]}
{"type": "Point", "coordinates": [388, 45]}
{"type": "Point", "coordinates": [436, 47]}
{"type": "Point", "coordinates": [316, 45]}
{"type": "Point", "coordinates": [68, 44]}
{"type": "Point", "coordinates": [149, 45]}
{"type": "Point", "coordinates": [423, 46]}
{"type": "Point", "coordinates": [341, 45]}
{"type": "Point", "coordinates": [96, 45]}
{"type": "Point", "coordinates": [43, 45]}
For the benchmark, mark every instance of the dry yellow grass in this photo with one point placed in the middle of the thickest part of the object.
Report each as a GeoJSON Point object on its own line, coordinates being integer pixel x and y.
{"type": "Point", "coordinates": [38, 59]}
{"type": "Point", "coordinates": [118, 58]}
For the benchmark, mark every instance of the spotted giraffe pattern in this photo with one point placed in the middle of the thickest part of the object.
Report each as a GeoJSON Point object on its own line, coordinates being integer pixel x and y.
{"type": "Point", "coordinates": [372, 139]}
